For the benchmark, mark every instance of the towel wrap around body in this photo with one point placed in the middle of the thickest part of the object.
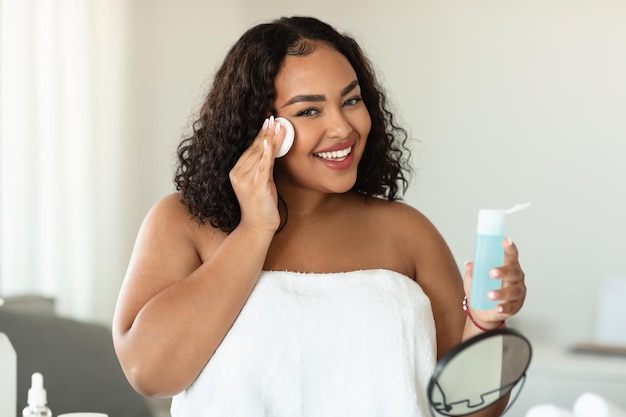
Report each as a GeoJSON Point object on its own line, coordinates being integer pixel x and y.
{"type": "Point", "coordinates": [359, 343]}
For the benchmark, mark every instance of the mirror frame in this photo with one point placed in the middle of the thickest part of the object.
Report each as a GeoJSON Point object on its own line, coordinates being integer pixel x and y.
{"type": "Point", "coordinates": [459, 349]}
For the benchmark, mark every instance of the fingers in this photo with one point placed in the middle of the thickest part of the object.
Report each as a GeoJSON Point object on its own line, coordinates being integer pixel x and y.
{"type": "Point", "coordinates": [467, 278]}
{"type": "Point", "coordinates": [251, 156]}
{"type": "Point", "coordinates": [513, 292]}
{"type": "Point", "coordinates": [268, 140]}
{"type": "Point", "coordinates": [511, 270]}
{"type": "Point", "coordinates": [272, 132]}
{"type": "Point", "coordinates": [252, 178]}
{"type": "Point", "coordinates": [511, 255]}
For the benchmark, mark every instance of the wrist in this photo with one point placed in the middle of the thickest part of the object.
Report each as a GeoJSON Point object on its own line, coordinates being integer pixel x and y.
{"type": "Point", "coordinates": [484, 328]}
{"type": "Point", "coordinates": [257, 229]}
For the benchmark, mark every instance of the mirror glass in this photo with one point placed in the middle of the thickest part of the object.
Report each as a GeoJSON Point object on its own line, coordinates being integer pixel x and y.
{"type": "Point", "coordinates": [479, 372]}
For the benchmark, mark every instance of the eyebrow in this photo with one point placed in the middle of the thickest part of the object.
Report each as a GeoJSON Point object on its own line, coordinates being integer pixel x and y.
{"type": "Point", "coordinates": [318, 97]}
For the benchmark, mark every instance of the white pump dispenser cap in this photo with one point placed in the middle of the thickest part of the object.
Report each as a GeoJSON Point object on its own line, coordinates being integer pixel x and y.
{"type": "Point", "coordinates": [491, 222]}
{"type": "Point", "coordinates": [37, 393]}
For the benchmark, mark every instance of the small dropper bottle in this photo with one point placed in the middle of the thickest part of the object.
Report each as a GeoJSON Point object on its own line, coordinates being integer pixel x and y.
{"type": "Point", "coordinates": [37, 399]}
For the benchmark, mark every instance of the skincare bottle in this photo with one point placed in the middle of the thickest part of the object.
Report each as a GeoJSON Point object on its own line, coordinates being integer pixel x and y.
{"type": "Point", "coordinates": [488, 254]}
{"type": "Point", "coordinates": [37, 399]}
{"type": "Point", "coordinates": [8, 377]}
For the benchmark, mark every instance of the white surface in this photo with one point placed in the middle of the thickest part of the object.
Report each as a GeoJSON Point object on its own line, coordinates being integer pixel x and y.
{"type": "Point", "coordinates": [610, 325]}
{"type": "Point", "coordinates": [8, 377]}
{"type": "Point", "coordinates": [558, 377]}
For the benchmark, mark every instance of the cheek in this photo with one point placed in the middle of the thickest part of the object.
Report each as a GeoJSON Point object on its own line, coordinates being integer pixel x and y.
{"type": "Point", "coordinates": [304, 142]}
{"type": "Point", "coordinates": [367, 125]}
{"type": "Point", "coordinates": [364, 125]}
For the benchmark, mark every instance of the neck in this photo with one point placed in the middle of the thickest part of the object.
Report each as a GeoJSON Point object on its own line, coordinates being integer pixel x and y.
{"type": "Point", "coordinates": [307, 206]}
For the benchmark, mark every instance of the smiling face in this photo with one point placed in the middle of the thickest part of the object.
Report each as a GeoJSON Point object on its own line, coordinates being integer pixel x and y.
{"type": "Point", "coordinates": [320, 95]}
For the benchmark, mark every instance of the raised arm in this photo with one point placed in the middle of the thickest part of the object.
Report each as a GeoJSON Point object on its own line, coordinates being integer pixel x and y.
{"type": "Point", "coordinates": [186, 283]}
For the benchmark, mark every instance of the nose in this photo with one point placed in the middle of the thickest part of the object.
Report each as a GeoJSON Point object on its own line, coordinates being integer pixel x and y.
{"type": "Point", "coordinates": [338, 125]}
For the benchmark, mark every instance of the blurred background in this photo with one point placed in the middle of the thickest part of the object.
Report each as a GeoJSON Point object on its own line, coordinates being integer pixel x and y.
{"type": "Point", "coordinates": [506, 102]}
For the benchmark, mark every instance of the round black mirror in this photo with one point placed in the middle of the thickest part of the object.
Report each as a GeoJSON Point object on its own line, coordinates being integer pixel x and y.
{"type": "Point", "coordinates": [479, 372]}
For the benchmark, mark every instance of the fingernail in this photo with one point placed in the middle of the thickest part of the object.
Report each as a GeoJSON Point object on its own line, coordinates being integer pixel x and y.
{"type": "Point", "coordinates": [495, 272]}
{"type": "Point", "coordinates": [266, 123]}
{"type": "Point", "coordinates": [491, 295]}
{"type": "Point", "coordinates": [500, 309]}
{"type": "Point", "coordinates": [271, 121]}
{"type": "Point", "coordinates": [510, 241]}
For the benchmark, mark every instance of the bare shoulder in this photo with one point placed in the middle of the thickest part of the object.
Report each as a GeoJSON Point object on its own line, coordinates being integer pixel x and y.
{"type": "Point", "coordinates": [170, 218]}
{"type": "Point", "coordinates": [402, 220]}
{"type": "Point", "coordinates": [169, 210]}
{"type": "Point", "coordinates": [434, 268]}
{"type": "Point", "coordinates": [169, 243]}
{"type": "Point", "coordinates": [406, 234]}
{"type": "Point", "coordinates": [167, 250]}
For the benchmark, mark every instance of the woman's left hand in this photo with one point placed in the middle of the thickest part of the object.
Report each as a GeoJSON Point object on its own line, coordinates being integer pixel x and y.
{"type": "Point", "coordinates": [510, 297]}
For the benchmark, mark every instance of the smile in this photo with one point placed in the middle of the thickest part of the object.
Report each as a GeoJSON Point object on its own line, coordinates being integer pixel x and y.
{"type": "Point", "coordinates": [335, 155]}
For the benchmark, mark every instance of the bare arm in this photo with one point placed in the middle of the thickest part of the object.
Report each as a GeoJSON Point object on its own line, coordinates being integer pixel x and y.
{"type": "Point", "coordinates": [173, 311]}
{"type": "Point", "coordinates": [179, 299]}
{"type": "Point", "coordinates": [439, 276]}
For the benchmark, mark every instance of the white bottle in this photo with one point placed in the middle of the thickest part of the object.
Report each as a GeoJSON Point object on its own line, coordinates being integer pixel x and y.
{"type": "Point", "coordinates": [37, 399]}
{"type": "Point", "coordinates": [8, 377]}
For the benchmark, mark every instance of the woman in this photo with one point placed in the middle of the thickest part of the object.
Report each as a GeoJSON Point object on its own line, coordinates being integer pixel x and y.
{"type": "Point", "coordinates": [299, 285]}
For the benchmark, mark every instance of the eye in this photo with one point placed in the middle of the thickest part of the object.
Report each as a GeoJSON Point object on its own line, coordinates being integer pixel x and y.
{"type": "Point", "coordinates": [307, 112]}
{"type": "Point", "coordinates": [352, 101]}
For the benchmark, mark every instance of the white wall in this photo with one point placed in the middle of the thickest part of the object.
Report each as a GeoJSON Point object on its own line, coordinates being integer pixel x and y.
{"type": "Point", "coordinates": [511, 101]}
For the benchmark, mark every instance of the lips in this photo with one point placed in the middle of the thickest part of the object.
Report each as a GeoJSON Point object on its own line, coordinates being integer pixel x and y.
{"type": "Point", "coordinates": [336, 152]}
{"type": "Point", "coordinates": [338, 155]}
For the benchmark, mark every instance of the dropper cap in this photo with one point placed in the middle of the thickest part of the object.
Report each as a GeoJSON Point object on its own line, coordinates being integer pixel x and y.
{"type": "Point", "coordinates": [37, 393]}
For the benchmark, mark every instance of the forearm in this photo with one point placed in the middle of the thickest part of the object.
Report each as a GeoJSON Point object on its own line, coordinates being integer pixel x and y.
{"type": "Point", "coordinates": [178, 330]}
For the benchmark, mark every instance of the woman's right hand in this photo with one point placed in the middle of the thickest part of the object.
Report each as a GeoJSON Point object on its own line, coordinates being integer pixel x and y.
{"type": "Point", "coordinates": [252, 179]}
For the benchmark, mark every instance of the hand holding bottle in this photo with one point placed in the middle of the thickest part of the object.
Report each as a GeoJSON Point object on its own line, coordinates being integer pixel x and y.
{"type": "Point", "coordinates": [495, 280]}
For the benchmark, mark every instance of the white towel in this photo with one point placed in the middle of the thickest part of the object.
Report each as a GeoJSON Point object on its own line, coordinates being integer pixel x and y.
{"type": "Point", "coordinates": [353, 344]}
{"type": "Point", "coordinates": [592, 405]}
{"type": "Point", "coordinates": [548, 410]}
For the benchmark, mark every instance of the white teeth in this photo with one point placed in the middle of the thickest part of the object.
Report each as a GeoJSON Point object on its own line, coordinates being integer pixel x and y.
{"type": "Point", "coordinates": [334, 154]}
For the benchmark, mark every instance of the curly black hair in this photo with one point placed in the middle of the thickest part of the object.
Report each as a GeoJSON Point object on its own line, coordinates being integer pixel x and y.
{"type": "Point", "coordinates": [241, 97]}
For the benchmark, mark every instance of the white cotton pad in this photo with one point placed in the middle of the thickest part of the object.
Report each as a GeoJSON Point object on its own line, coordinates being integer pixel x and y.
{"type": "Point", "coordinates": [289, 135]}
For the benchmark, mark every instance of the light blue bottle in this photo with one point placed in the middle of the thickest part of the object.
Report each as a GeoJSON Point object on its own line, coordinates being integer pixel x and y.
{"type": "Point", "coordinates": [489, 253]}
